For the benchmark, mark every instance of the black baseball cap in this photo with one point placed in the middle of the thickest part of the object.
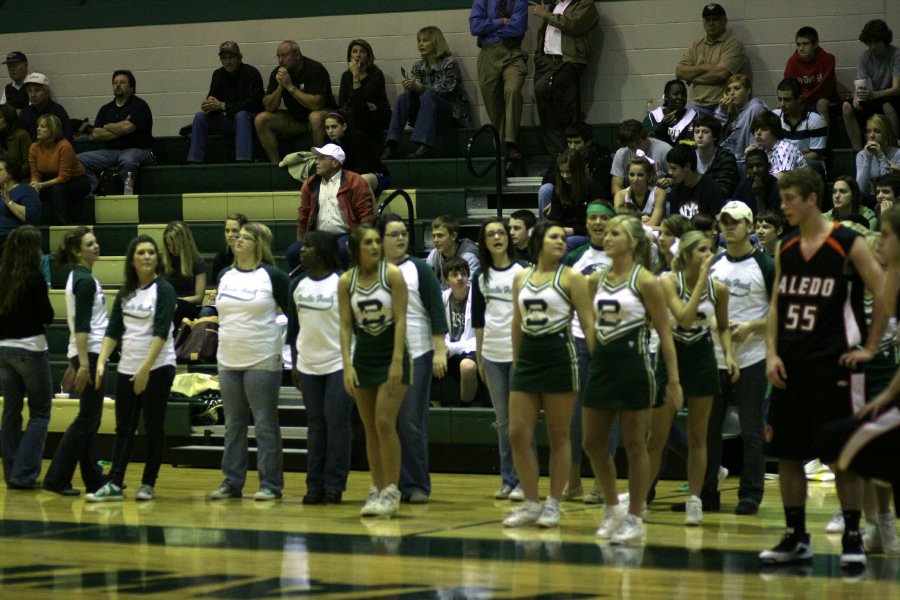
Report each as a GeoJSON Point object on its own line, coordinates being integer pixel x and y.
{"type": "Point", "coordinates": [15, 56]}
{"type": "Point", "coordinates": [713, 10]}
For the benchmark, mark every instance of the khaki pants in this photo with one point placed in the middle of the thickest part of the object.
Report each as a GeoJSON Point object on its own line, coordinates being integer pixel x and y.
{"type": "Point", "coordinates": [501, 75]}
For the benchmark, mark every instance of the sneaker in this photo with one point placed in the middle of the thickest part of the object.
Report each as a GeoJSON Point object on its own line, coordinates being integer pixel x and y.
{"type": "Point", "coordinates": [223, 492]}
{"type": "Point", "coordinates": [631, 531]}
{"type": "Point", "coordinates": [613, 517]}
{"type": "Point", "coordinates": [265, 495]}
{"type": "Point", "coordinates": [693, 511]}
{"type": "Point", "coordinates": [746, 507]}
{"type": "Point", "coordinates": [525, 515]}
{"type": "Point", "coordinates": [836, 524]}
{"type": "Point", "coordinates": [625, 500]}
{"type": "Point", "coordinates": [110, 492]}
{"type": "Point", "coordinates": [368, 509]}
{"type": "Point", "coordinates": [720, 479]}
{"type": "Point", "coordinates": [872, 542]}
{"type": "Point", "coordinates": [888, 530]}
{"type": "Point", "coordinates": [571, 494]}
{"type": "Point", "coordinates": [792, 548]}
{"type": "Point", "coordinates": [550, 515]}
{"type": "Point", "coordinates": [145, 492]}
{"type": "Point", "coordinates": [853, 554]}
{"type": "Point", "coordinates": [593, 497]}
{"type": "Point", "coordinates": [503, 493]}
{"type": "Point", "coordinates": [517, 495]}
{"type": "Point", "coordinates": [388, 502]}
{"type": "Point", "coordinates": [417, 497]}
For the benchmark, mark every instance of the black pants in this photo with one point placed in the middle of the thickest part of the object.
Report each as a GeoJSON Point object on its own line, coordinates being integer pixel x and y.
{"type": "Point", "coordinates": [557, 104]}
{"type": "Point", "coordinates": [78, 446]}
{"type": "Point", "coordinates": [129, 405]}
{"type": "Point", "coordinates": [67, 199]}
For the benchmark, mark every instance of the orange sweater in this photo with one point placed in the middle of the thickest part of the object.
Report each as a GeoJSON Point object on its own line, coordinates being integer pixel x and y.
{"type": "Point", "coordinates": [56, 161]}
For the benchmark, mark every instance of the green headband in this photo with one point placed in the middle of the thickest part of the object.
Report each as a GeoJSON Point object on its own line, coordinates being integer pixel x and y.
{"type": "Point", "coordinates": [602, 209]}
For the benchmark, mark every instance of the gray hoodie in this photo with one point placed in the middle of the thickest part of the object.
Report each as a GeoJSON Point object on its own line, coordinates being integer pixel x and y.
{"type": "Point", "coordinates": [466, 249]}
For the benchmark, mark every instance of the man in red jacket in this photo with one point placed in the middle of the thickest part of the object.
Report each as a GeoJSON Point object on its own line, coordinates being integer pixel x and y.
{"type": "Point", "coordinates": [332, 200]}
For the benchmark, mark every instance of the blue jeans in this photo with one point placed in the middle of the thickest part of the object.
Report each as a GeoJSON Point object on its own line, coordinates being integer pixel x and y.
{"type": "Point", "coordinates": [79, 444]}
{"type": "Point", "coordinates": [412, 428]}
{"type": "Point", "coordinates": [24, 372]}
{"type": "Point", "coordinates": [428, 112]}
{"type": "Point", "coordinates": [497, 377]}
{"type": "Point", "coordinates": [243, 392]}
{"type": "Point", "coordinates": [129, 160]}
{"type": "Point", "coordinates": [328, 412]}
{"type": "Point", "coordinates": [749, 395]}
{"type": "Point", "coordinates": [545, 195]}
{"type": "Point", "coordinates": [152, 402]}
{"type": "Point", "coordinates": [241, 127]}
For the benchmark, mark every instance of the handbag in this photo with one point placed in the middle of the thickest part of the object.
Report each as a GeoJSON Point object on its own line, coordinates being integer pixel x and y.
{"type": "Point", "coordinates": [197, 340]}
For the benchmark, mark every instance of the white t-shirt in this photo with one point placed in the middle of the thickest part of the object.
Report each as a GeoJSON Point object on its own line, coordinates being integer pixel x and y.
{"type": "Point", "coordinates": [135, 321]}
{"type": "Point", "coordinates": [424, 311]}
{"type": "Point", "coordinates": [492, 310]}
{"type": "Point", "coordinates": [315, 306]}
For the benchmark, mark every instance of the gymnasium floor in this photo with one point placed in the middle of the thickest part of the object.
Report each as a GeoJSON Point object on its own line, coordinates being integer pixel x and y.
{"type": "Point", "coordinates": [185, 546]}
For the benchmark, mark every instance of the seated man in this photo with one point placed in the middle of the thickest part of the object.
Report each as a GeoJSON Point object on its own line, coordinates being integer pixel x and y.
{"type": "Point", "coordinates": [759, 190]}
{"type": "Point", "coordinates": [521, 222]}
{"type": "Point", "coordinates": [460, 340]}
{"type": "Point", "coordinates": [636, 141]}
{"type": "Point", "coordinates": [691, 192]}
{"type": "Point", "coordinates": [447, 244]}
{"type": "Point", "coordinates": [305, 87]}
{"type": "Point", "coordinates": [813, 68]}
{"type": "Point", "coordinates": [333, 200]}
{"type": "Point", "coordinates": [783, 156]}
{"type": "Point", "coordinates": [887, 192]}
{"type": "Point", "coordinates": [14, 93]}
{"type": "Point", "coordinates": [126, 125]}
{"type": "Point", "coordinates": [37, 88]}
{"type": "Point", "coordinates": [234, 98]}
{"type": "Point", "coordinates": [713, 160]}
{"type": "Point", "coordinates": [877, 84]}
{"type": "Point", "coordinates": [769, 229]}
{"type": "Point", "coordinates": [579, 136]}
{"type": "Point", "coordinates": [802, 127]}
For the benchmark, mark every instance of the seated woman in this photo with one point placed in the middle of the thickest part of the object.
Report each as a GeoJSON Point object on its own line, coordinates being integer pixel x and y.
{"type": "Point", "coordinates": [783, 155]}
{"type": "Point", "coordinates": [361, 157]}
{"type": "Point", "coordinates": [362, 96]}
{"type": "Point", "coordinates": [847, 207]}
{"type": "Point", "coordinates": [573, 192]}
{"type": "Point", "coordinates": [672, 122]}
{"type": "Point", "coordinates": [879, 156]}
{"type": "Point", "coordinates": [21, 204]}
{"type": "Point", "coordinates": [434, 96]}
{"type": "Point", "coordinates": [55, 172]}
{"type": "Point", "coordinates": [643, 193]}
{"type": "Point", "coordinates": [736, 112]}
{"type": "Point", "coordinates": [14, 141]}
{"type": "Point", "coordinates": [185, 269]}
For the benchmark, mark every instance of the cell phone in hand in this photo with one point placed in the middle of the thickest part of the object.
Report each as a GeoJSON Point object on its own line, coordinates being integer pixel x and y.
{"type": "Point", "coordinates": [404, 73]}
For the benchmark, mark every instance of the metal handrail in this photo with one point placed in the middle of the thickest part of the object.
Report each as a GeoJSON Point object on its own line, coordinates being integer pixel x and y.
{"type": "Point", "coordinates": [410, 211]}
{"type": "Point", "coordinates": [570, 67]}
{"type": "Point", "coordinates": [495, 164]}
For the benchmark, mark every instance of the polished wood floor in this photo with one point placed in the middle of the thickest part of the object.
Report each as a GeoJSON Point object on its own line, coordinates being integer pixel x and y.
{"type": "Point", "coordinates": [184, 546]}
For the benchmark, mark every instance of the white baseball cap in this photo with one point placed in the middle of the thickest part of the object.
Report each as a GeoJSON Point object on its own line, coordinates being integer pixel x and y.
{"type": "Point", "coordinates": [332, 151]}
{"type": "Point", "coordinates": [737, 210]}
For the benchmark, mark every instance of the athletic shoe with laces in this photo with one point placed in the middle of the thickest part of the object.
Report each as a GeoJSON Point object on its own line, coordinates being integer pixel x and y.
{"type": "Point", "coordinates": [388, 502]}
{"type": "Point", "coordinates": [223, 492]}
{"type": "Point", "coordinates": [517, 495]}
{"type": "Point", "coordinates": [881, 537]}
{"type": "Point", "coordinates": [571, 494]}
{"type": "Point", "coordinates": [593, 497]}
{"type": "Point", "coordinates": [550, 515]}
{"type": "Point", "coordinates": [525, 515]}
{"type": "Point", "coordinates": [613, 517]}
{"type": "Point", "coordinates": [853, 554]}
{"type": "Point", "coordinates": [266, 495]}
{"type": "Point", "coordinates": [145, 492]}
{"type": "Point", "coordinates": [503, 493]}
{"type": "Point", "coordinates": [109, 492]}
{"type": "Point", "coordinates": [693, 511]}
{"type": "Point", "coordinates": [625, 500]}
{"type": "Point", "coordinates": [631, 531]}
{"type": "Point", "coordinates": [721, 477]}
{"type": "Point", "coordinates": [792, 548]}
{"type": "Point", "coordinates": [368, 509]}
{"type": "Point", "coordinates": [836, 524]}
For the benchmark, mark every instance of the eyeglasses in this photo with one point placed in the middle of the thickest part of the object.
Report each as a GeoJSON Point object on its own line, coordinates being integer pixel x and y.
{"type": "Point", "coordinates": [397, 234]}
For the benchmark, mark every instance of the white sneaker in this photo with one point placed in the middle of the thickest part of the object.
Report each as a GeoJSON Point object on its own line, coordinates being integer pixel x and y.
{"type": "Point", "coordinates": [881, 537]}
{"type": "Point", "coordinates": [503, 493]}
{"type": "Point", "coordinates": [693, 511]}
{"type": "Point", "coordinates": [388, 502]}
{"type": "Point", "coordinates": [593, 497]}
{"type": "Point", "coordinates": [550, 515]}
{"type": "Point", "coordinates": [517, 495]}
{"type": "Point", "coordinates": [631, 531]}
{"type": "Point", "coordinates": [368, 509]}
{"type": "Point", "coordinates": [836, 524]}
{"type": "Point", "coordinates": [613, 517]}
{"type": "Point", "coordinates": [720, 479]}
{"type": "Point", "coordinates": [145, 492]}
{"type": "Point", "coordinates": [625, 500]}
{"type": "Point", "coordinates": [525, 515]}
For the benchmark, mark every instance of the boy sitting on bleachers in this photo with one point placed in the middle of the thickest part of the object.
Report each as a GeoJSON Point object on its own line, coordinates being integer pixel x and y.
{"type": "Point", "coordinates": [460, 340]}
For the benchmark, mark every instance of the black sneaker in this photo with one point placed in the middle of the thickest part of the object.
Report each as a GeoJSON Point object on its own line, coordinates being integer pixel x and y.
{"type": "Point", "coordinates": [792, 548]}
{"type": "Point", "coordinates": [853, 554]}
{"type": "Point", "coordinates": [314, 498]}
{"type": "Point", "coordinates": [746, 507]}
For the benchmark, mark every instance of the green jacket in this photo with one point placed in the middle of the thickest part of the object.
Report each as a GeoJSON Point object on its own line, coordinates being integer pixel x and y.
{"type": "Point", "coordinates": [577, 25]}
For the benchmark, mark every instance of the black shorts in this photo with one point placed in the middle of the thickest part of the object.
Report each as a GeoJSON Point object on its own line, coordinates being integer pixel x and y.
{"type": "Point", "coordinates": [454, 361]}
{"type": "Point", "coordinates": [874, 107]}
{"type": "Point", "coordinates": [817, 394]}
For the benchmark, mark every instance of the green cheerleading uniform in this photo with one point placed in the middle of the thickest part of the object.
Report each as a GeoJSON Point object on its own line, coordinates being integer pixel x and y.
{"type": "Point", "coordinates": [880, 370]}
{"type": "Point", "coordinates": [620, 376]}
{"type": "Point", "coordinates": [694, 348]}
{"type": "Point", "coordinates": [373, 324]}
{"type": "Point", "coordinates": [546, 362]}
